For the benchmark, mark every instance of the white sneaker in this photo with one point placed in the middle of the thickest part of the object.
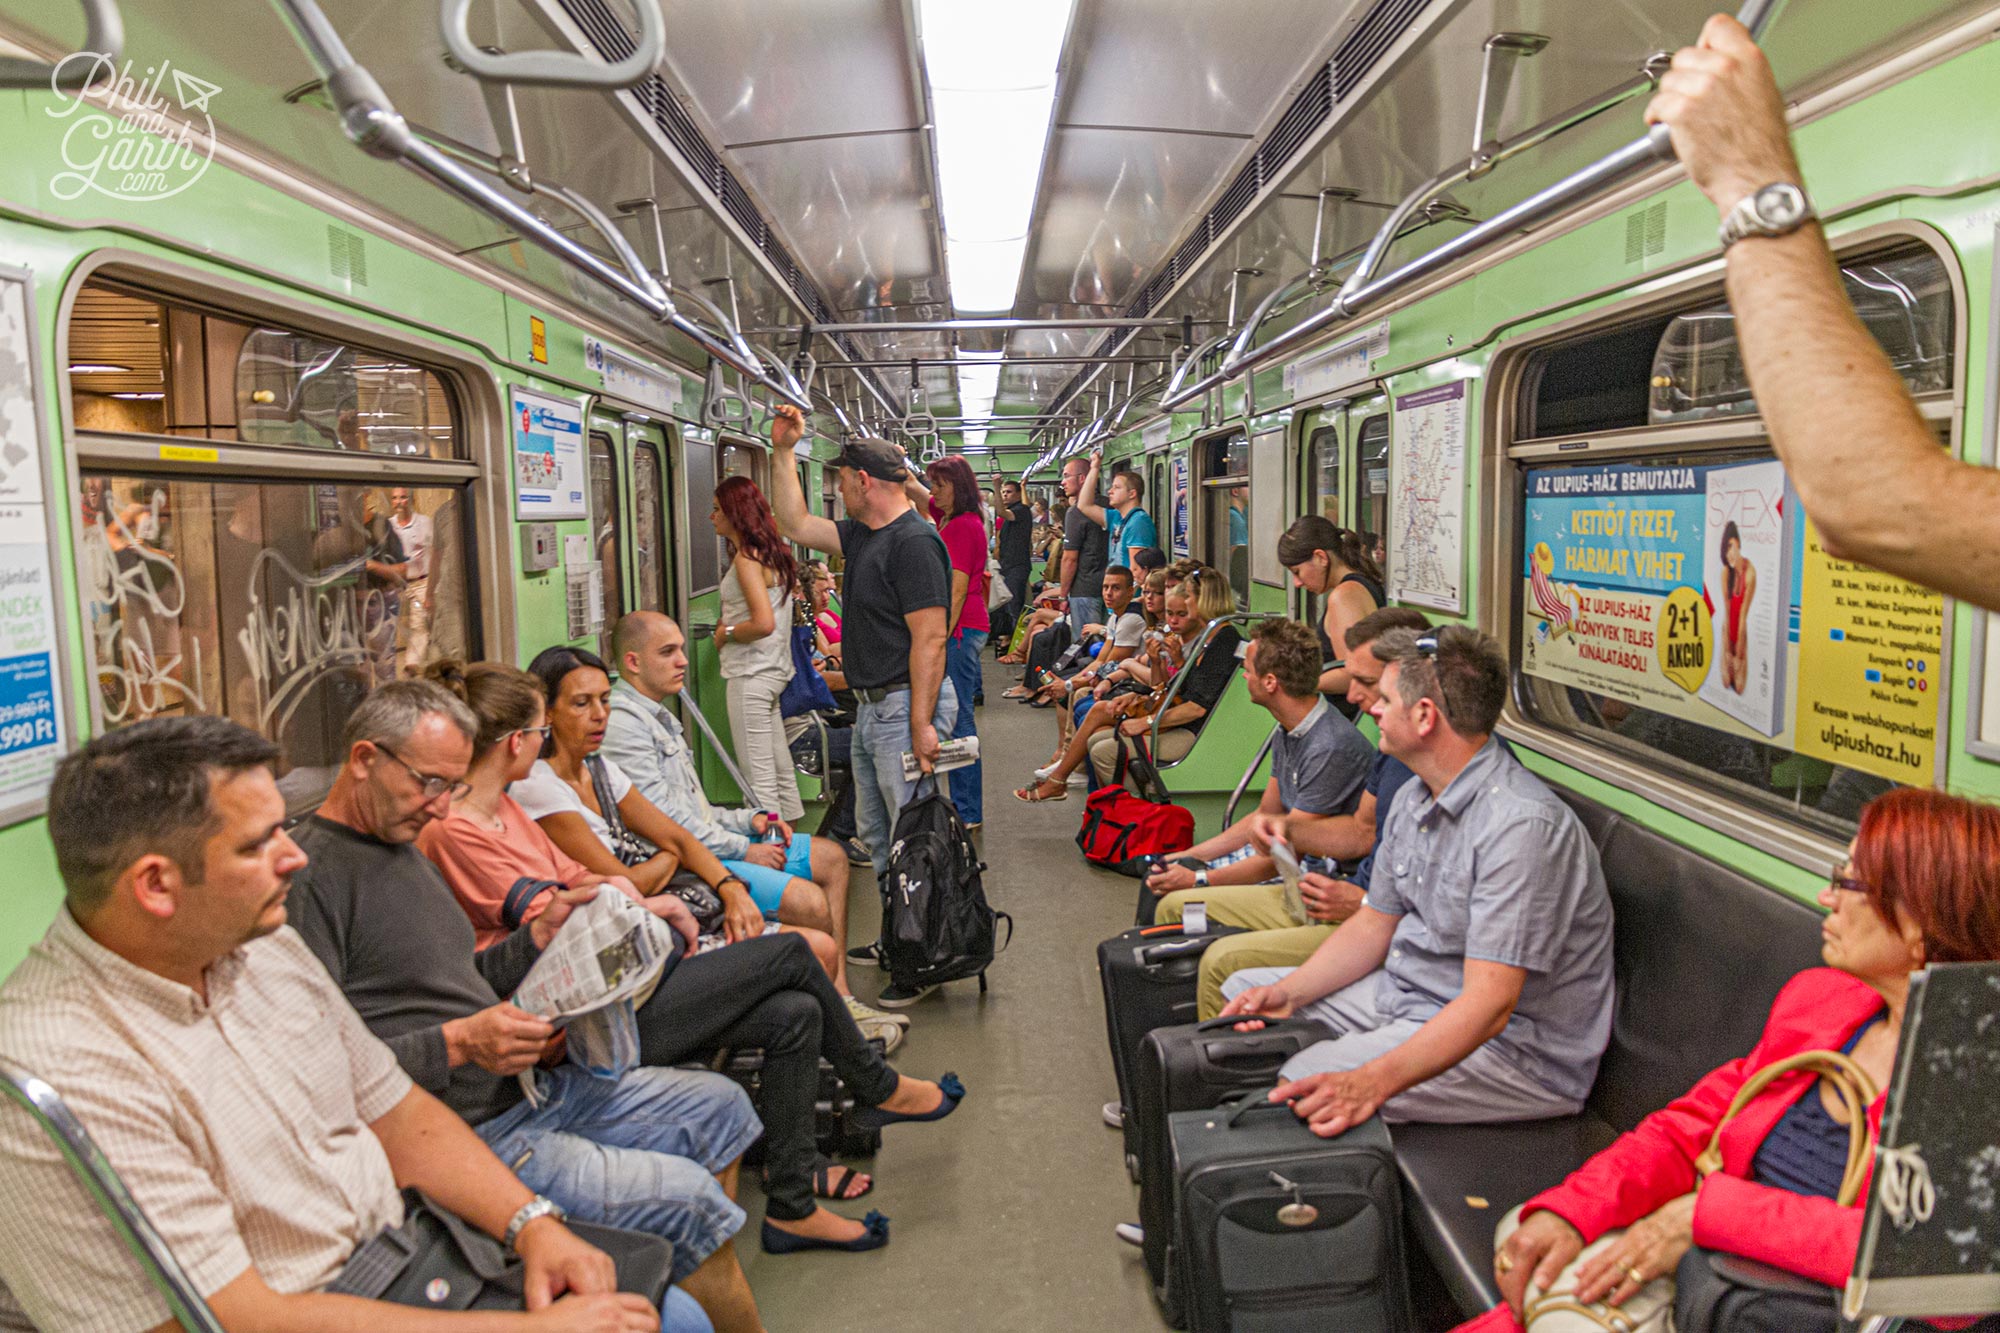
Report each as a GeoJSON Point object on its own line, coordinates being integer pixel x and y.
{"type": "Point", "coordinates": [1114, 1115]}
{"type": "Point", "coordinates": [862, 1013]}
{"type": "Point", "coordinates": [1130, 1232]}
{"type": "Point", "coordinates": [883, 1030]}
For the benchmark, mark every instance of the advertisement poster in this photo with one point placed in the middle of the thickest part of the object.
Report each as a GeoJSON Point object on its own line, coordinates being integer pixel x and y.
{"type": "Point", "coordinates": [1180, 536]}
{"type": "Point", "coordinates": [31, 738]}
{"type": "Point", "coordinates": [550, 471]}
{"type": "Point", "coordinates": [1426, 534]}
{"type": "Point", "coordinates": [1871, 648]}
{"type": "Point", "coordinates": [1744, 583]}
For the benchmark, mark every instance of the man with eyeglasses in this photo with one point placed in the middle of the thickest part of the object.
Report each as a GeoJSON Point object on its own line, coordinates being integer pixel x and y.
{"type": "Point", "coordinates": [653, 1150]}
{"type": "Point", "coordinates": [1474, 981]}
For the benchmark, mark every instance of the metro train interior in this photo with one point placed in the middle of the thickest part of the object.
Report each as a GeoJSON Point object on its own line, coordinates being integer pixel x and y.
{"type": "Point", "coordinates": [539, 276]}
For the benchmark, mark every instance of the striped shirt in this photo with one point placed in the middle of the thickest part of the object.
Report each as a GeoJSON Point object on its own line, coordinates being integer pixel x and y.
{"type": "Point", "coordinates": [238, 1123]}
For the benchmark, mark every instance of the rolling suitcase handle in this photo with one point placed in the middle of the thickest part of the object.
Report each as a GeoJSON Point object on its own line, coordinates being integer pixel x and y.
{"type": "Point", "coordinates": [1244, 1103]}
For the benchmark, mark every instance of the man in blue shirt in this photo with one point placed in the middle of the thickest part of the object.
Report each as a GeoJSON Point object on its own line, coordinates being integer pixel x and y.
{"type": "Point", "coordinates": [1126, 526]}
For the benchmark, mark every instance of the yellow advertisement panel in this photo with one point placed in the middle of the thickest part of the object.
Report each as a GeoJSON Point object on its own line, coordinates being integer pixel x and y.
{"type": "Point", "coordinates": [1871, 649]}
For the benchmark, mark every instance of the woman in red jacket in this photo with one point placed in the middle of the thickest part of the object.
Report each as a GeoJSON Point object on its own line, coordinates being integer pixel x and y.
{"type": "Point", "coordinates": [1921, 884]}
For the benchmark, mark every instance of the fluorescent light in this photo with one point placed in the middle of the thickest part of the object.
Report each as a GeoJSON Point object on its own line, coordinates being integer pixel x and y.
{"type": "Point", "coordinates": [993, 89]}
{"type": "Point", "coordinates": [98, 368]}
{"type": "Point", "coordinates": [144, 397]}
{"type": "Point", "coordinates": [974, 440]}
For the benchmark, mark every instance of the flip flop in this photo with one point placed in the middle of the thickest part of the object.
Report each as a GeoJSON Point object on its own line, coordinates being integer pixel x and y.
{"type": "Point", "coordinates": [1033, 795]}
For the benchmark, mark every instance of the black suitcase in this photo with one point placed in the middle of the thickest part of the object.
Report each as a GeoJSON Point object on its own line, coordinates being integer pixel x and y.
{"type": "Point", "coordinates": [1278, 1229]}
{"type": "Point", "coordinates": [835, 1130]}
{"type": "Point", "coordinates": [1149, 977]}
{"type": "Point", "coordinates": [1191, 1069]}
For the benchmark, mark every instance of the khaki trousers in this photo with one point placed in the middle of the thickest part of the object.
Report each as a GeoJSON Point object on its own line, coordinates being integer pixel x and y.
{"type": "Point", "coordinates": [1273, 940]}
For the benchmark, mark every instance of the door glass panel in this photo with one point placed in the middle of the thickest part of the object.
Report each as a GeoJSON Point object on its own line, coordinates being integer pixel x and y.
{"type": "Point", "coordinates": [604, 531]}
{"type": "Point", "coordinates": [704, 551]}
{"type": "Point", "coordinates": [1324, 477]}
{"type": "Point", "coordinates": [1372, 506]}
{"type": "Point", "coordinates": [649, 537]}
{"type": "Point", "coordinates": [1225, 501]}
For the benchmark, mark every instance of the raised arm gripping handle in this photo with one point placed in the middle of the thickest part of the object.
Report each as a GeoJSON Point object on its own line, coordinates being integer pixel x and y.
{"type": "Point", "coordinates": [554, 69]}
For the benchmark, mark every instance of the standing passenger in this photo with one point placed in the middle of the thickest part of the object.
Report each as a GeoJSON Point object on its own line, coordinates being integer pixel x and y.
{"type": "Point", "coordinates": [755, 648]}
{"type": "Point", "coordinates": [898, 600]}
{"type": "Point", "coordinates": [1127, 527]}
{"type": "Point", "coordinates": [414, 531]}
{"type": "Point", "coordinates": [953, 505]}
{"type": "Point", "coordinates": [1334, 563]}
{"type": "Point", "coordinates": [1083, 559]}
{"type": "Point", "coordinates": [1017, 534]}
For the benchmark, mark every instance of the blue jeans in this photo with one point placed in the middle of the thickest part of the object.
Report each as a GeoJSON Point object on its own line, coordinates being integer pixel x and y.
{"type": "Point", "coordinates": [638, 1152]}
{"type": "Point", "coordinates": [1084, 611]}
{"type": "Point", "coordinates": [881, 735]}
{"type": "Point", "coordinates": [679, 1314]}
{"type": "Point", "coordinates": [961, 665]}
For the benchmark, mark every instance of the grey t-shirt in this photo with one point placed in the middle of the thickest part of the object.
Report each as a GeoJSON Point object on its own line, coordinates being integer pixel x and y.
{"type": "Point", "coordinates": [381, 919]}
{"type": "Point", "coordinates": [1128, 631]}
{"type": "Point", "coordinates": [1322, 764]}
{"type": "Point", "coordinates": [1087, 539]}
{"type": "Point", "coordinates": [1496, 867]}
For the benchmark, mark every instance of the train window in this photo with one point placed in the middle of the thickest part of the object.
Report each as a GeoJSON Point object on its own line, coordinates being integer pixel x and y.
{"type": "Point", "coordinates": [649, 519]}
{"type": "Point", "coordinates": [704, 552]}
{"type": "Point", "coordinates": [740, 460]}
{"type": "Point", "coordinates": [276, 603]}
{"type": "Point", "coordinates": [1225, 504]}
{"type": "Point", "coordinates": [830, 505]}
{"type": "Point", "coordinates": [604, 531]}
{"type": "Point", "coordinates": [1678, 610]}
{"type": "Point", "coordinates": [1371, 509]}
{"type": "Point", "coordinates": [141, 364]}
{"type": "Point", "coordinates": [1323, 458]}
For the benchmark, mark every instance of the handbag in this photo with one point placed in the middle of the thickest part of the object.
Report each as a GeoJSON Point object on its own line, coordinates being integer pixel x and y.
{"type": "Point", "coordinates": [704, 902]}
{"type": "Point", "coordinates": [1652, 1309]}
{"type": "Point", "coordinates": [998, 594]}
{"type": "Point", "coordinates": [436, 1260]}
{"type": "Point", "coordinates": [806, 691]}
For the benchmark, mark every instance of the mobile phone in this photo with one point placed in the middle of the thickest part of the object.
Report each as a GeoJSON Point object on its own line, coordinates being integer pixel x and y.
{"type": "Point", "coordinates": [1289, 872]}
{"type": "Point", "coordinates": [1190, 863]}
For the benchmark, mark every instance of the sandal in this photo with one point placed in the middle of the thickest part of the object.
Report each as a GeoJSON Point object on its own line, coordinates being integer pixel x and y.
{"type": "Point", "coordinates": [826, 1185]}
{"type": "Point", "coordinates": [1038, 794]}
{"type": "Point", "coordinates": [1018, 692]}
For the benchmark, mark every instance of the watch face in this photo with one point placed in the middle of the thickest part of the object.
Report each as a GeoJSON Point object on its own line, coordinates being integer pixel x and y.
{"type": "Point", "coordinates": [1780, 206]}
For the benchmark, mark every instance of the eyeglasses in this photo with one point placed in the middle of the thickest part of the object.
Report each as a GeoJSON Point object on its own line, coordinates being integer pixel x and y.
{"type": "Point", "coordinates": [541, 732]}
{"type": "Point", "coordinates": [1844, 883]}
{"type": "Point", "coordinates": [433, 785]}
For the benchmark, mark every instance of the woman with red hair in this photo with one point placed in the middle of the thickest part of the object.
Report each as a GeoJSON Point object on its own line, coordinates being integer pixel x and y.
{"type": "Point", "coordinates": [955, 509]}
{"type": "Point", "coordinates": [755, 648]}
{"type": "Point", "coordinates": [1920, 884]}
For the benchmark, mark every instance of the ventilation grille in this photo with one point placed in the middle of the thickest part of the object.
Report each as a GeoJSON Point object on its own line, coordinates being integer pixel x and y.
{"type": "Point", "coordinates": [346, 255]}
{"type": "Point", "coordinates": [1387, 21]}
{"type": "Point", "coordinates": [1646, 233]}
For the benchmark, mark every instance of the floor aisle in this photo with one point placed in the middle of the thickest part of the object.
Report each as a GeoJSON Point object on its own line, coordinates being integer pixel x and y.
{"type": "Point", "coordinates": [1002, 1214]}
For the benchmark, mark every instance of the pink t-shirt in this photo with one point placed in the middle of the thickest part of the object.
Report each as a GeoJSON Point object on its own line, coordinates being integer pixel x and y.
{"type": "Point", "coordinates": [965, 538]}
{"type": "Point", "coordinates": [482, 864]}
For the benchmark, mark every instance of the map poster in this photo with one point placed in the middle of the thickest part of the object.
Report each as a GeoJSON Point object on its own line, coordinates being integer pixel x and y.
{"type": "Point", "coordinates": [1616, 592]}
{"type": "Point", "coordinates": [1871, 647]}
{"type": "Point", "coordinates": [1426, 536]}
{"type": "Point", "coordinates": [551, 475]}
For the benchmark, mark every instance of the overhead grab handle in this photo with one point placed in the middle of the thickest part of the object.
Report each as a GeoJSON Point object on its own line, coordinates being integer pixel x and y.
{"type": "Point", "coordinates": [554, 69]}
{"type": "Point", "coordinates": [103, 47]}
{"type": "Point", "coordinates": [1363, 289]}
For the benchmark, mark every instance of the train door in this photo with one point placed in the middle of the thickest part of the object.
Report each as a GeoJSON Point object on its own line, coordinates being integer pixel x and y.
{"type": "Point", "coordinates": [1368, 431]}
{"type": "Point", "coordinates": [1345, 471]}
{"type": "Point", "coordinates": [607, 521]}
{"type": "Point", "coordinates": [1222, 520]}
{"type": "Point", "coordinates": [1159, 499]}
{"type": "Point", "coordinates": [653, 582]}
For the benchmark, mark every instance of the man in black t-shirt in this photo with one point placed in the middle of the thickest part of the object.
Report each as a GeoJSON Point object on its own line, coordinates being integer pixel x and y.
{"type": "Point", "coordinates": [1083, 559]}
{"type": "Point", "coordinates": [1017, 534]}
{"type": "Point", "coordinates": [896, 595]}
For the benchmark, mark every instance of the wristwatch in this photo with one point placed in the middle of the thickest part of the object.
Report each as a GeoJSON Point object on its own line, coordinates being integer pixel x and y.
{"type": "Point", "coordinates": [727, 634]}
{"type": "Point", "coordinates": [532, 1209]}
{"type": "Point", "coordinates": [1201, 879]}
{"type": "Point", "coordinates": [1778, 209]}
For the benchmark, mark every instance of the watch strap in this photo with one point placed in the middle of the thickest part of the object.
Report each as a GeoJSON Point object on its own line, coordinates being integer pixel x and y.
{"type": "Point", "coordinates": [534, 1208]}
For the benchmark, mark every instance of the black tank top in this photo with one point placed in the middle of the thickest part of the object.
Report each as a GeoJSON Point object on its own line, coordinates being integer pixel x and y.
{"type": "Point", "coordinates": [1328, 652]}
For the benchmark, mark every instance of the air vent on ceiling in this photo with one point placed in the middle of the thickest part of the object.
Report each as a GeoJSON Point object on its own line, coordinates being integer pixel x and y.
{"type": "Point", "coordinates": [1307, 113]}
{"type": "Point", "coordinates": [346, 255]}
{"type": "Point", "coordinates": [1238, 196]}
{"type": "Point", "coordinates": [1386, 21]}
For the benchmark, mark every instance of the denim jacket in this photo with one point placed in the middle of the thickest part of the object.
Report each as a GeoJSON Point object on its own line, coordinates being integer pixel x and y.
{"type": "Point", "coordinates": [646, 741]}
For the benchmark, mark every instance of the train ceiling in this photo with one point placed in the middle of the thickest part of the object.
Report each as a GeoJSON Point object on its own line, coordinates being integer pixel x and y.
{"type": "Point", "coordinates": [789, 145]}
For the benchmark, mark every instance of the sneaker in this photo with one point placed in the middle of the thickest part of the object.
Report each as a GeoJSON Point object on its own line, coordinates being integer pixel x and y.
{"type": "Point", "coordinates": [857, 855]}
{"type": "Point", "coordinates": [902, 997]}
{"type": "Point", "coordinates": [1047, 771]}
{"type": "Point", "coordinates": [885, 1030]}
{"type": "Point", "coordinates": [1114, 1115]}
{"type": "Point", "coordinates": [861, 1013]}
{"type": "Point", "coordinates": [865, 955]}
{"type": "Point", "coordinates": [1131, 1233]}
{"type": "Point", "coordinates": [975, 826]}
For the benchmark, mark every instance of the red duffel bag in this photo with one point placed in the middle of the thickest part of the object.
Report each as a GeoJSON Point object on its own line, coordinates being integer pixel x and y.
{"type": "Point", "coordinates": [1119, 828]}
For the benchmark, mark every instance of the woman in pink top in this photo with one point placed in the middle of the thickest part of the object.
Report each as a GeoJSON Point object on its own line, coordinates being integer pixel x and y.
{"type": "Point", "coordinates": [955, 509]}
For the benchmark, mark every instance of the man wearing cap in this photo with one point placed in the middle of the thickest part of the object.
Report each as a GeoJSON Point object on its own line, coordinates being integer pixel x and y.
{"type": "Point", "coordinates": [897, 595]}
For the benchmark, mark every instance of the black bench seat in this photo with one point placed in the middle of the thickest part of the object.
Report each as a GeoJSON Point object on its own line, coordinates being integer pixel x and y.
{"type": "Point", "coordinates": [1701, 952]}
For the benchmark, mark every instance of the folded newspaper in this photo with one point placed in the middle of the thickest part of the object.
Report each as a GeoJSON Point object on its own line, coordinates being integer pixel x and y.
{"type": "Point", "coordinates": [604, 960]}
{"type": "Point", "coordinates": [951, 754]}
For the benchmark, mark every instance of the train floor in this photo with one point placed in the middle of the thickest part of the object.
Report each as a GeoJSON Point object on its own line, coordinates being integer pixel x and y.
{"type": "Point", "coordinates": [1003, 1213]}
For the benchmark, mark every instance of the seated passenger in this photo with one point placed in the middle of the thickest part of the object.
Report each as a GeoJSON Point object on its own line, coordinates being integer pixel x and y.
{"type": "Point", "coordinates": [1123, 633]}
{"type": "Point", "coordinates": [1474, 981]}
{"type": "Point", "coordinates": [261, 1128]}
{"type": "Point", "coordinates": [800, 879]}
{"type": "Point", "coordinates": [1920, 884]}
{"type": "Point", "coordinates": [1270, 938]}
{"type": "Point", "coordinates": [370, 908]}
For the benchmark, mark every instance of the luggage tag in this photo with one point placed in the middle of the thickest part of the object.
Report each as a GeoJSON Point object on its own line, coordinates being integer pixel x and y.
{"type": "Point", "coordinates": [1194, 918]}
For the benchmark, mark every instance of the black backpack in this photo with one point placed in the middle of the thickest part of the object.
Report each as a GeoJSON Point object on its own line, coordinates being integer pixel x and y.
{"type": "Point", "coordinates": [936, 924]}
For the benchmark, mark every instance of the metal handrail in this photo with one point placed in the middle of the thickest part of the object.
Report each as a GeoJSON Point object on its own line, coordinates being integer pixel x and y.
{"type": "Point", "coordinates": [1363, 289]}
{"type": "Point", "coordinates": [1243, 783]}
{"type": "Point", "coordinates": [103, 44]}
{"type": "Point", "coordinates": [728, 762]}
{"type": "Point", "coordinates": [555, 69]}
{"type": "Point", "coordinates": [374, 124]}
{"type": "Point", "coordinates": [94, 1172]}
{"type": "Point", "coordinates": [1175, 396]}
{"type": "Point", "coordinates": [1194, 655]}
